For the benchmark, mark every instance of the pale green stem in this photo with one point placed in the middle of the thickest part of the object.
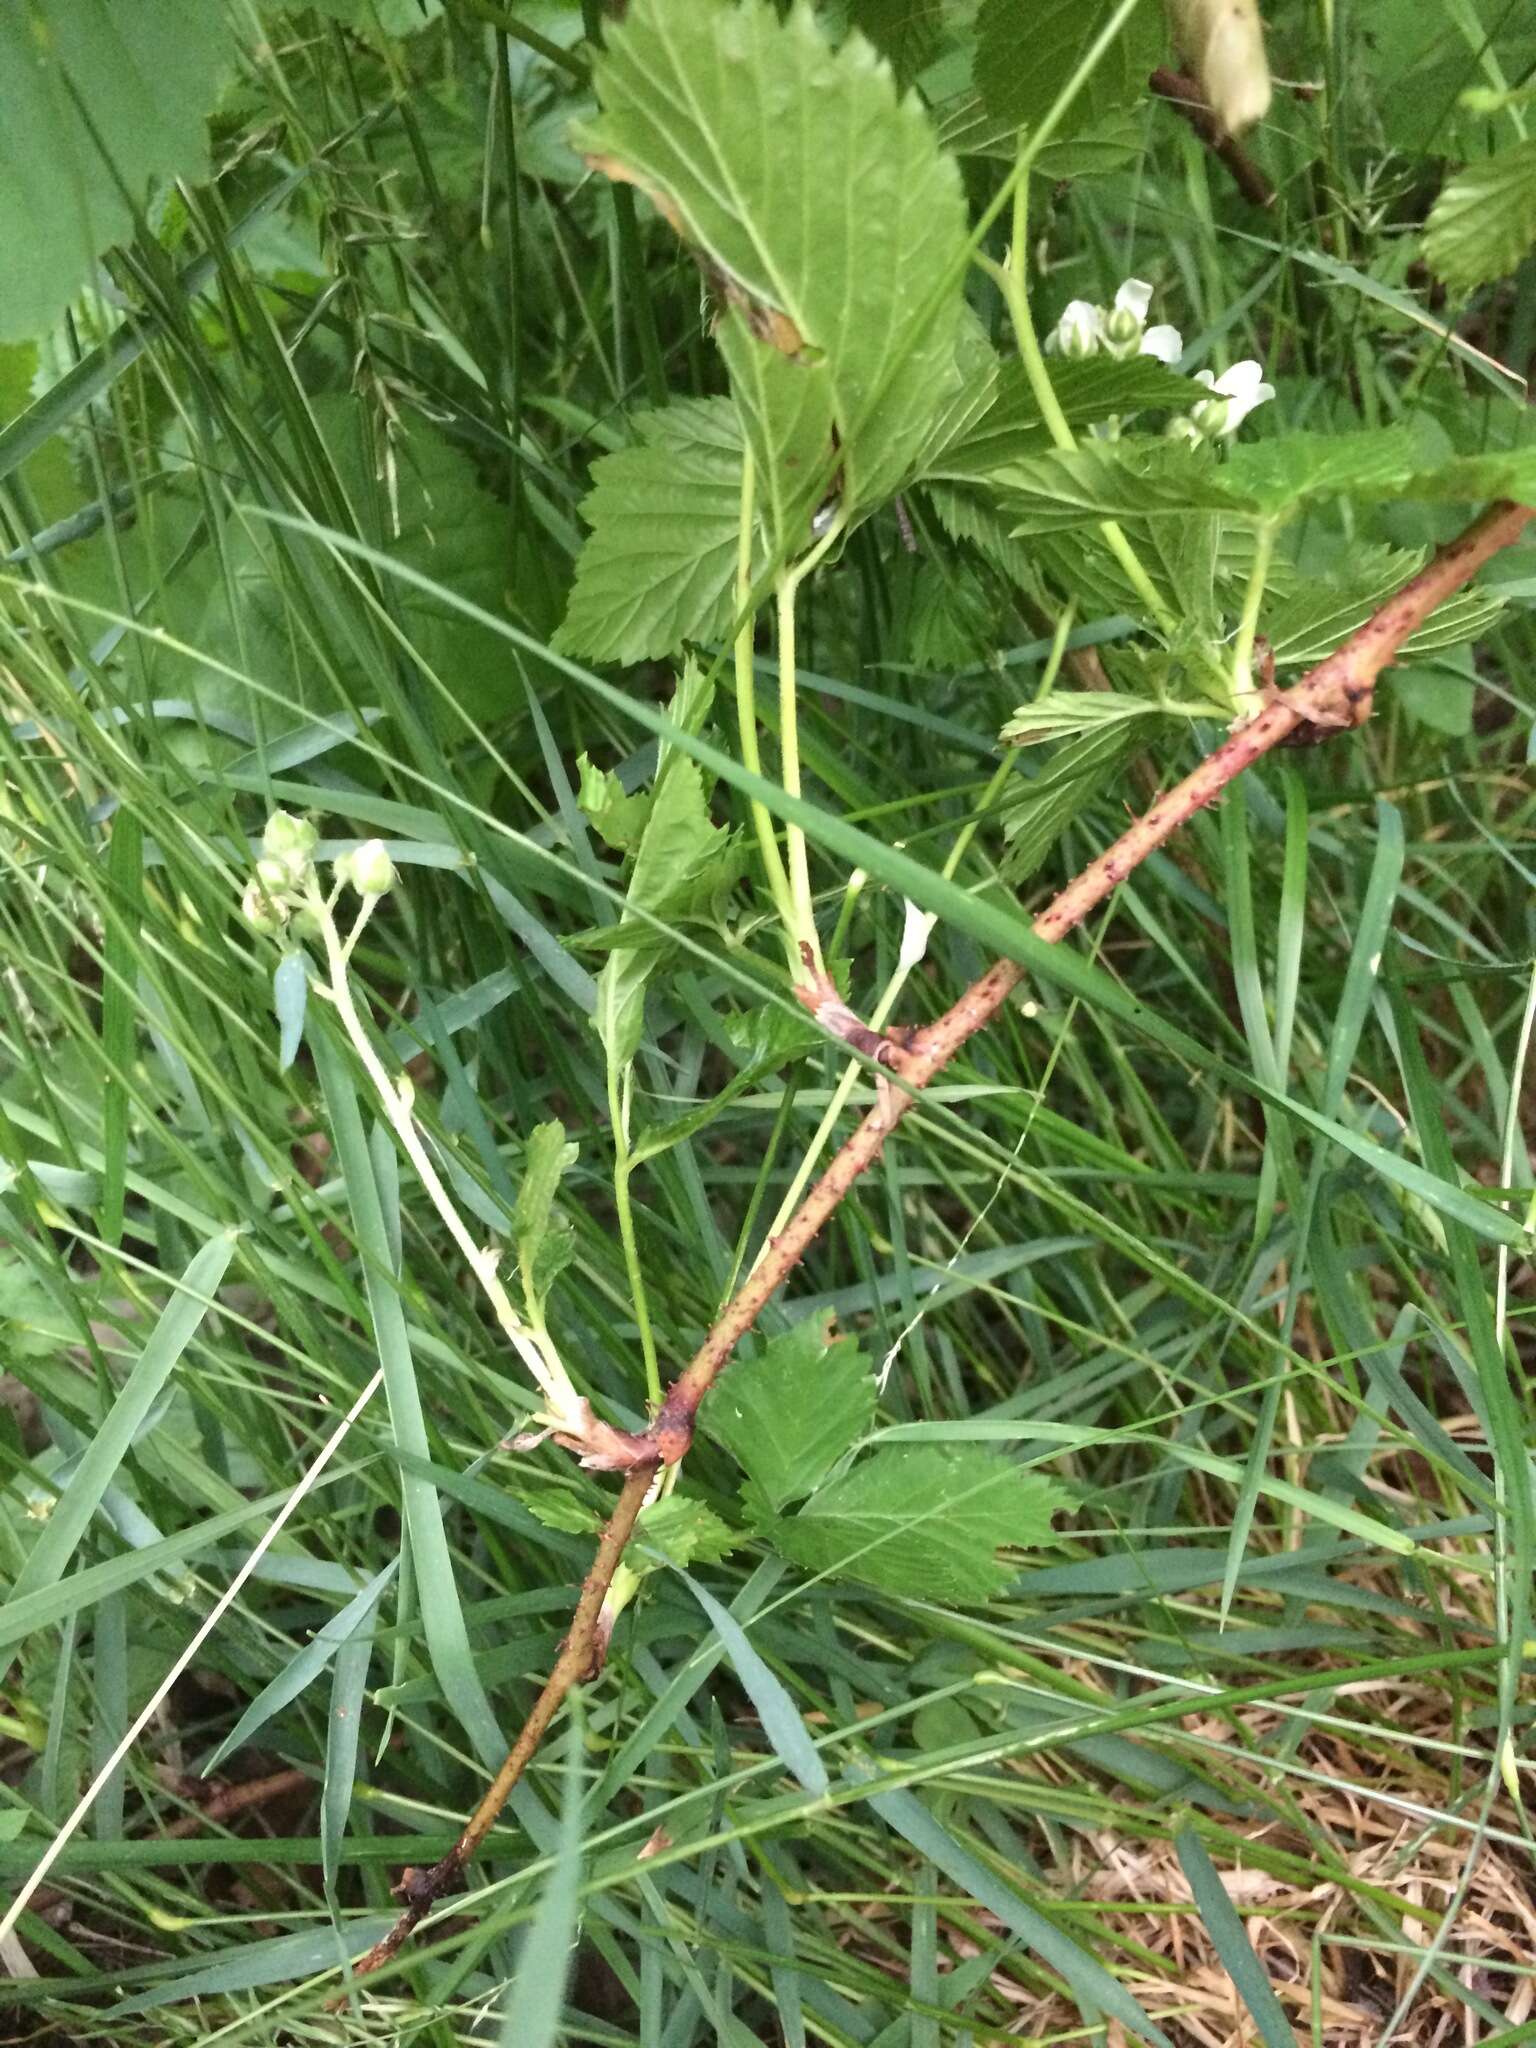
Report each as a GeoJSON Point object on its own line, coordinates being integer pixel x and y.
{"type": "Point", "coordinates": [746, 716]}
{"type": "Point", "coordinates": [1010, 280]}
{"type": "Point", "coordinates": [1244, 697]}
{"type": "Point", "coordinates": [848, 1079]}
{"type": "Point", "coordinates": [565, 1409]}
{"type": "Point", "coordinates": [618, 1116]}
{"type": "Point", "coordinates": [802, 904]}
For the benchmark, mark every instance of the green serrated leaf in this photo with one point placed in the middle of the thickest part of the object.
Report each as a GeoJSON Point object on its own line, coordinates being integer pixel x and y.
{"type": "Point", "coordinates": [1308, 620]}
{"type": "Point", "coordinates": [562, 1511]}
{"type": "Point", "coordinates": [1484, 223]}
{"type": "Point", "coordinates": [659, 565]}
{"type": "Point", "coordinates": [1065, 714]}
{"type": "Point", "coordinates": [1097, 388]}
{"type": "Point", "coordinates": [1027, 55]}
{"type": "Point", "coordinates": [821, 203]}
{"type": "Point", "coordinates": [1275, 478]}
{"type": "Point", "coordinates": [617, 817]}
{"type": "Point", "coordinates": [787, 1416]}
{"type": "Point", "coordinates": [545, 1239]}
{"type": "Point", "coordinates": [923, 1520]}
{"type": "Point", "coordinates": [1039, 811]}
{"type": "Point", "coordinates": [685, 1532]}
{"type": "Point", "coordinates": [97, 103]}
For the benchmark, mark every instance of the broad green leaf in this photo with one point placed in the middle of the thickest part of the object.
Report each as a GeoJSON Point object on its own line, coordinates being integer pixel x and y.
{"type": "Point", "coordinates": [1088, 391]}
{"type": "Point", "coordinates": [1027, 52]}
{"type": "Point", "coordinates": [660, 562]}
{"type": "Point", "coordinates": [819, 201]}
{"type": "Point", "coordinates": [907, 33]}
{"type": "Point", "coordinates": [1440, 694]}
{"type": "Point", "coordinates": [1139, 478]}
{"type": "Point", "coordinates": [789, 1414]}
{"type": "Point", "coordinates": [545, 1239]}
{"type": "Point", "coordinates": [1483, 224]}
{"type": "Point", "coordinates": [618, 818]}
{"type": "Point", "coordinates": [923, 1521]}
{"type": "Point", "coordinates": [99, 106]}
{"type": "Point", "coordinates": [1274, 478]}
{"type": "Point", "coordinates": [1040, 810]}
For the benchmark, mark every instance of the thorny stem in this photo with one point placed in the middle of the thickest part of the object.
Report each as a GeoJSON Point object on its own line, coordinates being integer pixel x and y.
{"type": "Point", "coordinates": [1337, 692]}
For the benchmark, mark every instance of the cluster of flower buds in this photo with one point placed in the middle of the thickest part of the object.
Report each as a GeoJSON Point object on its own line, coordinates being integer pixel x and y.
{"type": "Point", "coordinates": [1121, 331]}
{"type": "Point", "coordinates": [280, 893]}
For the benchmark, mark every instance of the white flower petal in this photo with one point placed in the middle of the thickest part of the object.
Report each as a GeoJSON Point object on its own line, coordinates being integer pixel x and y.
{"type": "Point", "coordinates": [1207, 378]}
{"type": "Point", "coordinates": [1134, 296]}
{"type": "Point", "coordinates": [1166, 343]}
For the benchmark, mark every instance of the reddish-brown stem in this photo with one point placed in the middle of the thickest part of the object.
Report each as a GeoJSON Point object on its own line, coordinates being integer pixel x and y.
{"type": "Point", "coordinates": [581, 1656]}
{"type": "Point", "coordinates": [1183, 94]}
{"type": "Point", "coordinates": [1336, 693]}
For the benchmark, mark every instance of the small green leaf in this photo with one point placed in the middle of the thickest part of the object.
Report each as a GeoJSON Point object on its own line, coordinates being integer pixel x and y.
{"type": "Point", "coordinates": [545, 1239]}
{"type": "Point", "coordinates": [290, 998]}
{"type": "Point", "coordinates": [684, 867]}
{"type": "Point", "coordinates": [1275, 478]}
{"type": "Point", "coordinates": [562, 1511]}
{"type": "Point", "coordinates": [685, 1532]}
{"type": "Point", "coordinates": [788, 1415]}
{"type": "Point", "coordinates": [925, 1521]}
{"type": "Point", "coordinates": [660, 562]}
{"type": "Point", "coordinates": [1484, 222]}
{"type": "Point", "coordinates": [618, 818]}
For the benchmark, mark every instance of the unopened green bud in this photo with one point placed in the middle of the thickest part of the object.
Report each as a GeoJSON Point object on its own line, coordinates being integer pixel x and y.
{"type": "Point", "coordinates": [1209, 418]}
{"type": "Point", "coordinates": [288, 837]}
{"type": "Point", "coordinates": [368, 868]}
{"type": "Point", "coordinates": [1122, 333]}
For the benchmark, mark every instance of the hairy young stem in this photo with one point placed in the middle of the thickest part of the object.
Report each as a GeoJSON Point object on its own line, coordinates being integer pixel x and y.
{"type": "Point", "coordinates": [1336, 692]}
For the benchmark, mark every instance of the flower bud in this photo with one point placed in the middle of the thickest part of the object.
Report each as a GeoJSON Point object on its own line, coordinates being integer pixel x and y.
{"type": "Point", "coordinates": [368, 868]}
{"type": "Point", "coordinates": [275, 876]}
{"type": "Point", "coordinates": [1122, 334]}
{"type": "Point", "coordinates": [259, 910]}
{"type": "Point", "coordinates": [287, 837]}
{"type": "Point", "coordinates": [1210, 418]}
{"type": "Point", "coordinates": [1078, 331]}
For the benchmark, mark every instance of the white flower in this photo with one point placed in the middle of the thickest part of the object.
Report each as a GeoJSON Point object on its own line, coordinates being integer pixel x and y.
{"type": "Point", "coordinates": [1235, 393]}
{"type": "Point", "coordinates": [1079, 332]}
{"type": "Point", "coordinates": [1134, 297]}
{"type": "Point", "coordinates": [1166, 343]}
